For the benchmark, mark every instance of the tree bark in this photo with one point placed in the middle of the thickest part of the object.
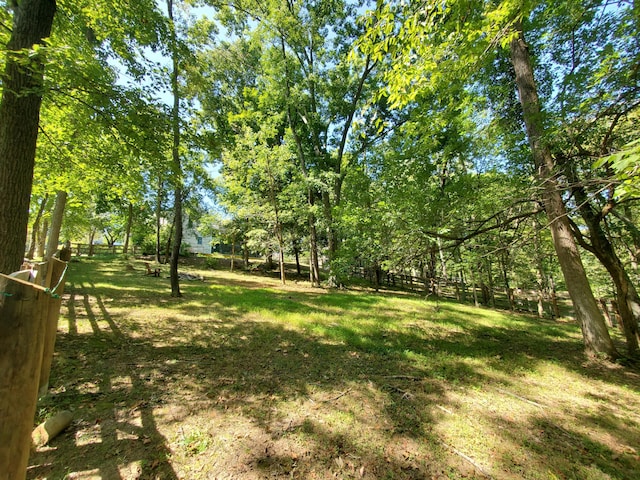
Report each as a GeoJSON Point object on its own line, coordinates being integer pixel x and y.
{"type": "Point", "coordinates": [127, 235]}
{"type": "Point", "coordinates": [159, 219]}
{"type": "Point", "coordinates": [296, 252]}
{"type": "Point", "coordinates": [508, 291]}
{"type": "Point", "coordinates": [19, 120]}
{"type": "Point", "coordinates": [332, 240]}
{"type": "Point", "coordinates": [176, 166]}
{"type": "Point", "coordinates": [167, 247]}
{"type": "Point", "coordinates": [54, 235]}
{"type": "Point", "coordinates": [433, 282]}
{"type": "Point", "coordinates": [233, 253]}
{"type": "Point", "coordinates": [283, 279]}
{"type": "Point", "coordinates": [475, 291]}
{"type": "Point", "coordinates": [42, 238]}
{"type": "Point", "coordinates": [92, 236]}
{"type": "Point", "coordinates": [594, 330]}
{"type": "Point", "coordinates": [56, 224]}
{"type": "Point", "coordinates": [35, 228]}
{"type": "Point", "coordinates": [245, 252]}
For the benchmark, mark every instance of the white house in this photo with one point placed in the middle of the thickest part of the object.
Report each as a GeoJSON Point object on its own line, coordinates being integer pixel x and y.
{"type": "Point", "coordinates": [197, 243]}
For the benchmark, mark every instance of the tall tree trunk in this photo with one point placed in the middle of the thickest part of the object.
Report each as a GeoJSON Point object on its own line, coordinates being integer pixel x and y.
{"type": "Point", "coordinates": [443, 262]}
{"type": "Point", "coordinates": [159, 219]}
{"type": "Point", "coordinates": [127, 234]}
{"type": "Point", "coordinates": [433, 281]}
{"type": "Point", "coordinates": [42, 238]}
{"type": "Point", "coordinates": [339, 164]}
{"type": "Point", "coordinates": [332, 239]}
{"type": "Point", "coordinates": [314, 266]}
{"type": "Point", "coordinates": [463, 285]}
{"type": "Point", "coordinates": [176, 166]}
{"type": "Point", "coordinates": [508, 291]}
{"type": "Point", "coordinates": [35, 228]}
{"type": "Point", "coordinates": [92, 236]}
{"type": "Point", "coordinates": [491, 287]}
{"type": "Point", "coordinates": [278, 226]}
{"type": "Point", "coordinates": [233, 253]}
{"type": "Point", "coordinates": [167, 248]}
{"type": "Point", "coordinates": [56, 224]}
{"type": "Point", "coordinates": [19, 326]}
{"type": "Point", "coordinates": [475, 290]}
{"type": "Point", "coordinates": [594, 330]}
{"type": "Point", "coordinates": [19, 120]}
{"type": "Point", "coordinates": [283, 279]}
{"type": "Point", "coordinates": [296, 252]}
{"type": "Point", "coordinates": [245, 252]}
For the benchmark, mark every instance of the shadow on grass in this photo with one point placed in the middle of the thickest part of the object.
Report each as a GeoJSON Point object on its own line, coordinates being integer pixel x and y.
{"type": "Point", "coordinates": [116, 378]}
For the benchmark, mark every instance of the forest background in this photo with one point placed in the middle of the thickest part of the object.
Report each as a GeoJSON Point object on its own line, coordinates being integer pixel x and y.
{"type": "Point", "coordinates": [491, 144]}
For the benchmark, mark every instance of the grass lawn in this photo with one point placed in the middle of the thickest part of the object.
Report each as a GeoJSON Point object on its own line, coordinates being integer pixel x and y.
{"type": "Point", "coordinates": [246, 379]}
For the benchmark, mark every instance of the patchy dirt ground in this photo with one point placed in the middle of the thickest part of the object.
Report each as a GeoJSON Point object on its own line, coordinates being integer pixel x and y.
{"type": "Point", "coordinates": [246, 379]}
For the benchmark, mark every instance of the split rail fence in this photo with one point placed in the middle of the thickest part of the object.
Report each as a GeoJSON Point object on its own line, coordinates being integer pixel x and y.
{"type": "Point", "coordinates": [28, 324]}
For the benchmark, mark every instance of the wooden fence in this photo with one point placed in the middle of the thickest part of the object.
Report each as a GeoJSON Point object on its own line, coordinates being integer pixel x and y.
{"type": "Point", "coordinates": [542, 304]}
{"type": "Point", "coordinates": [28, 325]}
{"type": "Point", "coordinates": [539, 303]}
{"type": "Point", "coordinates": [88, 250]}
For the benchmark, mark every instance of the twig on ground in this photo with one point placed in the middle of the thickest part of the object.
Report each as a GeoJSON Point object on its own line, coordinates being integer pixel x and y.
{"type": "Point", "coordinates": [506, 392]}
{"type": "Point", "coordinates": [332, 399]}
{"type": "Point", "coordinates": [468, 459]}
{"type": "Point", "coordinates": [404, 377]}
{"type": "Point", "coordinates": [446, 410]}
{"type": "Point", "coordinates": [405, 394]}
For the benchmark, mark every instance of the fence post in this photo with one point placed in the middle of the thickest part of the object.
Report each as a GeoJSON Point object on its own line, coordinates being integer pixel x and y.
{"type": "Point", "coordinates": [55, 282]}
{"type": "Point", "coordinates": [23, 314]}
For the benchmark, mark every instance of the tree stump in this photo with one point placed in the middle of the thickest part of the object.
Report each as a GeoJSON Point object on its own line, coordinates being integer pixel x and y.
{"type": "Point", "coordinates": [23, 317]}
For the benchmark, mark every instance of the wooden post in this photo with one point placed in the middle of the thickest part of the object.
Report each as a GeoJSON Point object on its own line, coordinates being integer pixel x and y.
{"type": "Point", "coordinates": [55, 281]}
{"type": "Point", "coordinates": [23, 314]}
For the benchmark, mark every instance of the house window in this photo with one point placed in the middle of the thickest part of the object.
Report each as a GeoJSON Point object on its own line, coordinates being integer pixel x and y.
{"type": "Point", "coordinates": [199, 240]}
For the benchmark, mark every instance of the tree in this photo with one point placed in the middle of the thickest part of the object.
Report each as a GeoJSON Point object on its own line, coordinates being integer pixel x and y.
{"type": "Point", "coordinates": [19, 118]}
{"type": "Point", "coordinates": [260, 176]}
{"type": "Point", "coordinates": [441, 48]}
{"type": "Point", "coordinates": [176, 167]}
{"type": "Point", "coordinates": [305, 72]}
{"type": "Point", "coordinates": [594, 331]}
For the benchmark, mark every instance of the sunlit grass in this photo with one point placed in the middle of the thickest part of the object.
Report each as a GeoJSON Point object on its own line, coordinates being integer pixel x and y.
{"type": "Point", "coordinates": [243, 376]}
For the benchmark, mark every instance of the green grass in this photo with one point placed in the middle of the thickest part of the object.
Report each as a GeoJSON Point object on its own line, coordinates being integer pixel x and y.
{"type": "Point", "coordinates": [245, 378]}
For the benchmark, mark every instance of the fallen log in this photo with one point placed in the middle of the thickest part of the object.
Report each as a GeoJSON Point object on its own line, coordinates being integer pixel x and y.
{"type": "Point", "coordinates": [50, 428]}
